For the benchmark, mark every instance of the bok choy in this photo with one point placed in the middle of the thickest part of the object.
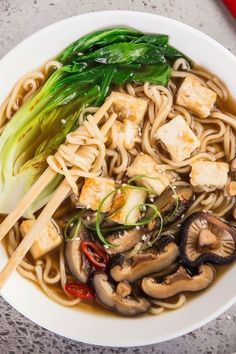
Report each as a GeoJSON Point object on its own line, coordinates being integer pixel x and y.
{"type": "Point", "coordinates": [91, 66]}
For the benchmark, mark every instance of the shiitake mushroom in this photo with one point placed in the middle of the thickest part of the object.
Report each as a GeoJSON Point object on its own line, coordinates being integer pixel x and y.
{"type": "Point", "coordinates": [204, 238]}
{"type": "Point", "coordinates": [76, 261]}
{"type": "Point", "coordinates": [234, 212]}
{"type": "Point", "coordinates": [150, 261]}
{"type": "Point", "coordinates": [172, 204]}
{"type": "Point", "coordinates": [119, 298]}
{"type": "Point", "coordinates": [124, 240]}
{"type": "Point", "coordinates": [178, 282]}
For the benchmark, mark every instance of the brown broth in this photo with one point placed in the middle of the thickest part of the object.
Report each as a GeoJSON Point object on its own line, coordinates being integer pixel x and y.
{"type": "Point", "coordinates": [67, 209]}
{"type": "Point", "coordinates": [219, 273]}
{"type": "Point", "coordinates": [228, 106]}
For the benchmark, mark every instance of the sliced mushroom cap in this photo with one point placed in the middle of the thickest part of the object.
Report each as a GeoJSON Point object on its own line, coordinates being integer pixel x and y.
{"type": "Point", "coordinates": [174, 203]}
{"type": "Point", "coordinates": [205, 238]}
{"type": "Point", "coordinates": [76, 261]}
{"type": "Point", "coordinates": [145, 263]}
{"type": "Point", "coordinates": [234, 212]}
{"type": "Point", "coordinates": [178, 282]}
{"type": "Point", "coordinates": [121, 300]}
{"type": "Point", "coordinates": [125, 240]}
{"type": "Point", "coordinates": [167, 271]}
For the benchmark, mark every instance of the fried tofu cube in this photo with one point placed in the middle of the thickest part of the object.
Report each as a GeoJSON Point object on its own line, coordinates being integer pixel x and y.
{"type": "Point", "coordinates": [129, 107]}
{"type": "Point", "coordinates": [178, 138]}
{"type": "Point", "coordinates": [126, 203]}
{"type": "Point", "coordinates": [126, 133]}
{"type": "Point", "coordinates": [146, 165]}
{"type": "Point", "coordinates": [196, 97]}
{"type": "Point", "coordinates": [94, 191]}
{"type": "Point", "coordinates": [208, 175]}
{"type": "Point", "coordinates": [47, 240]}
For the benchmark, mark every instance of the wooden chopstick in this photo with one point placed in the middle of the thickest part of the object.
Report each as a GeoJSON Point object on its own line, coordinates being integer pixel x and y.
{"type": "Point", "coordinates": [56, 199]}
{"type": "Point", "coordinates": [26, 201]}
{"type": "Point", "coordinates": [41, 184]}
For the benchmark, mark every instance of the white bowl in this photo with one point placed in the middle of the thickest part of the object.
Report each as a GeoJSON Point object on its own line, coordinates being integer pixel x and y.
{"type": "Point", "coordinates": [91, 327]}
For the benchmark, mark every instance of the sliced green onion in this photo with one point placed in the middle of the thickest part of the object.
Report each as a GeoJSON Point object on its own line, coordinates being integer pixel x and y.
{"type": "Point", "coordinates": [137, 177]}
{"type": "Point", "coordinates": [98, 219]}
{"type": "Point", "coordinates": [156, 213]}
{"type": "Point", "coordinates": [156, 235]}
{"type": "Point", "coordinates": [166, 218]}
{"type": "Point", "coordinates": [108, 229]}
{"type": "Point", "coordinates": [175, 195]}
{"type": "Point", "coordinates": [72, 228]}
{"type": "Point", "coordinates": [145, 220]}
{"type": "Point", "coordinates": [99, 229]}
{"type": "Point", "coordinates": [119, 189]}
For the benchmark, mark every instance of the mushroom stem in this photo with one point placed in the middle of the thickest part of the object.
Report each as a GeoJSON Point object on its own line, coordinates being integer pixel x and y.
{"type": "Point", "coordinates": [204, 238]}
{"type": "Point", "coordinates": [123, 289]}
{"type": "Point", "coordinates": [207, 239]}
{"type": "Point", "coordinates": [121, 300]}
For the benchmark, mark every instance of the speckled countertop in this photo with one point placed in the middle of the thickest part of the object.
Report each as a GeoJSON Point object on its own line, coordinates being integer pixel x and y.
{"type": "Point", "coordinates": [18, 20]}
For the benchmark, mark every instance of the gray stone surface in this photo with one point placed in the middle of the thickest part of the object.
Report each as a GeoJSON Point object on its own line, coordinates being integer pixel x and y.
{"type": "Point", "coordinates": [19, 19]}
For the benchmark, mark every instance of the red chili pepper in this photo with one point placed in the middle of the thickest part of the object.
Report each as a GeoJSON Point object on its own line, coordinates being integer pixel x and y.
{"type": "Point", "coordinates": [231, 5]}
{"type": "Point", "coordinates": [95, 253]}
{"type": "Point", "coordinates": [80, 290]}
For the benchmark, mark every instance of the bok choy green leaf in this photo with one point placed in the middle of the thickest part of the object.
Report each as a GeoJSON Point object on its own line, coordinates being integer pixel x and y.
{"type": "Point", "coordinates": [91, 67]}
{"type": "Point", "coordinates": [125, 53]}
{"type": "Point", "coordinates": [97, 40]}
{"type": "Point", "coordinates": [24, 153]}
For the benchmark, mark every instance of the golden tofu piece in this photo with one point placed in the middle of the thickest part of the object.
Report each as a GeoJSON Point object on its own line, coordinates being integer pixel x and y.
{"type": "Point", "coordinates": [129, 212]}
{"type": "Point", "coordinates": [48, 238]}
{"type": "Point", "coordinates": [94, 191]}
{"type": "Point", "coordinates": [145, 165]}
{"type": "Point", "coordinates": [178, 138]}
{"type": "Point", "coordinates": [126, 133]}
{"type": "Point", "coordinates": [129, 107]}
{"type": "Point", "coordinates": [196, 97]}
{"type": "Point", "coordinates": [208, 175]}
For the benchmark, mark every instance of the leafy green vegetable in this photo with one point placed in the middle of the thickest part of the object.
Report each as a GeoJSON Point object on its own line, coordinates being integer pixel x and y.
{"type": "Point", "coordinates": [127, 53]}
{"type": "Point", "coordinates": [158, 40]}
{"type": "Point", "coordinates": [173, 54]}
{"type": "Point", "coordinates": [96, 40]}
{"type": "Point", "coordinates": [107, 79]}
{"type": "Point", "coordinates": [154, 74]}
{"type": "Point", "coordinates": [159, 75]}
{"type": "Point", "coordinates": [23, 156]}
{"type": "Point", "coordinates": [91, 67]}
{"type": "Point", "coordinates": [158, 44]}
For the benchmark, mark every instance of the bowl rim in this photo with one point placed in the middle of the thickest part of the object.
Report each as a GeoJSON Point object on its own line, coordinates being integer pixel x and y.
{"type": "Point", "coordinates": [113, 12]}
{"type": "Point", "coordinates": [184, 330]}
